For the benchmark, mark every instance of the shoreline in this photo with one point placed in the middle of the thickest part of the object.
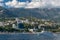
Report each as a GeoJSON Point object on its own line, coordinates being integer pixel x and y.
{"type": "Point", "coordinates": [19, 32]}
{"type": "Point", "coordinates": [25, 32]}
{"type": "Point", "coordinates": [57, 32]}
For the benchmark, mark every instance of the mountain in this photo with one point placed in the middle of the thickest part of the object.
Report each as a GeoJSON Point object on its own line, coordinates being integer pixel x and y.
{"type": "Point", "coordinates": [45, 13]}
{"type": "Point", "coordinates": [5, 12]}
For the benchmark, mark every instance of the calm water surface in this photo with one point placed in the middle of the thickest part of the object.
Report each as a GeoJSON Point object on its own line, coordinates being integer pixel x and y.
{"type": "Point", "coordinates": [37, 36]}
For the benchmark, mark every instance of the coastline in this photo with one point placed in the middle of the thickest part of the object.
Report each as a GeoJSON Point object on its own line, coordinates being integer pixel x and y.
{"type": "Point", "coordinates": [57, 32]}
{"type": "Point", "coordinates": [18, 33]}
{"type": "Point", "coordinates": [26, 32]}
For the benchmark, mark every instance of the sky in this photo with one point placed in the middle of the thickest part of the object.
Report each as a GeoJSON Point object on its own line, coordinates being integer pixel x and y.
{"type": "Point", "coordinates": [18, 0]}
{"type": "Point", "coordinates": [30, 3]}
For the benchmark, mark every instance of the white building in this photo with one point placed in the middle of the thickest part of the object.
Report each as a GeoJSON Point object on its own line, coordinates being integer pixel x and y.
{"type": "Point", "coordinates": [1, 23]}
{"type": "Point", "coordinates": [14, 26]}
{"type": "Point", "coordinates": [26, 21]}
{"type": "Point", "coordinates": [39, 26]}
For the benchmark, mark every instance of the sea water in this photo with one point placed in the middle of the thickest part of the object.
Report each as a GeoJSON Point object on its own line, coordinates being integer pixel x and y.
{"type": "Point", "coordinates": [30, 36]}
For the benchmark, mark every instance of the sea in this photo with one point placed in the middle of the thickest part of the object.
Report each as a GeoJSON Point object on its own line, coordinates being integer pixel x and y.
{"type": "Point", "coordinates": [30, 36]}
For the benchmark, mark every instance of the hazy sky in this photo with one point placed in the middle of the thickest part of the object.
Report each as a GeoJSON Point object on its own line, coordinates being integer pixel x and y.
{"type": "Point", "coordinates": [31, 3]}
{"type": "Point", "coordinates": [18, 0]}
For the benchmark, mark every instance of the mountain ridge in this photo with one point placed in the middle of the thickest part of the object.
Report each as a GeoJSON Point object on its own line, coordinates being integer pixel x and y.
{"type": "Point", "coordinates": [45, 13]}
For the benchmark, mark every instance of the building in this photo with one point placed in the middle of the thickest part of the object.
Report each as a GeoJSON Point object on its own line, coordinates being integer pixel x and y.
{"type": "Point", "coordinates": [41, 26]}
{"type": "Point", "coordinates": [1, 23]}
{"type": "Point", "coordinates": [20, 24]}
{"type": "Point", "coordinates": [14, 26]}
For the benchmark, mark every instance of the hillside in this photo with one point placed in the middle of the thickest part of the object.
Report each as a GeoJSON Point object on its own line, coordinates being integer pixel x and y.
{"type": "Point", "coordinates": [52, 13]}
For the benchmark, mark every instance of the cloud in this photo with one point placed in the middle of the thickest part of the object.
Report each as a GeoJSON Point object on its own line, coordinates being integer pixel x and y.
{"type": "Point", "coordinates": [34, 4]}
{"type": "Point", "coordinates": [1, 3]}
{"type": "Point", "coordinates": [1, 0]}
{"type": "Point", "coordinates": [20, 4]}
{"type": "Point", "coordinates": [56, 3]}
{"type": "Point", "coordinates": [15, 4]}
